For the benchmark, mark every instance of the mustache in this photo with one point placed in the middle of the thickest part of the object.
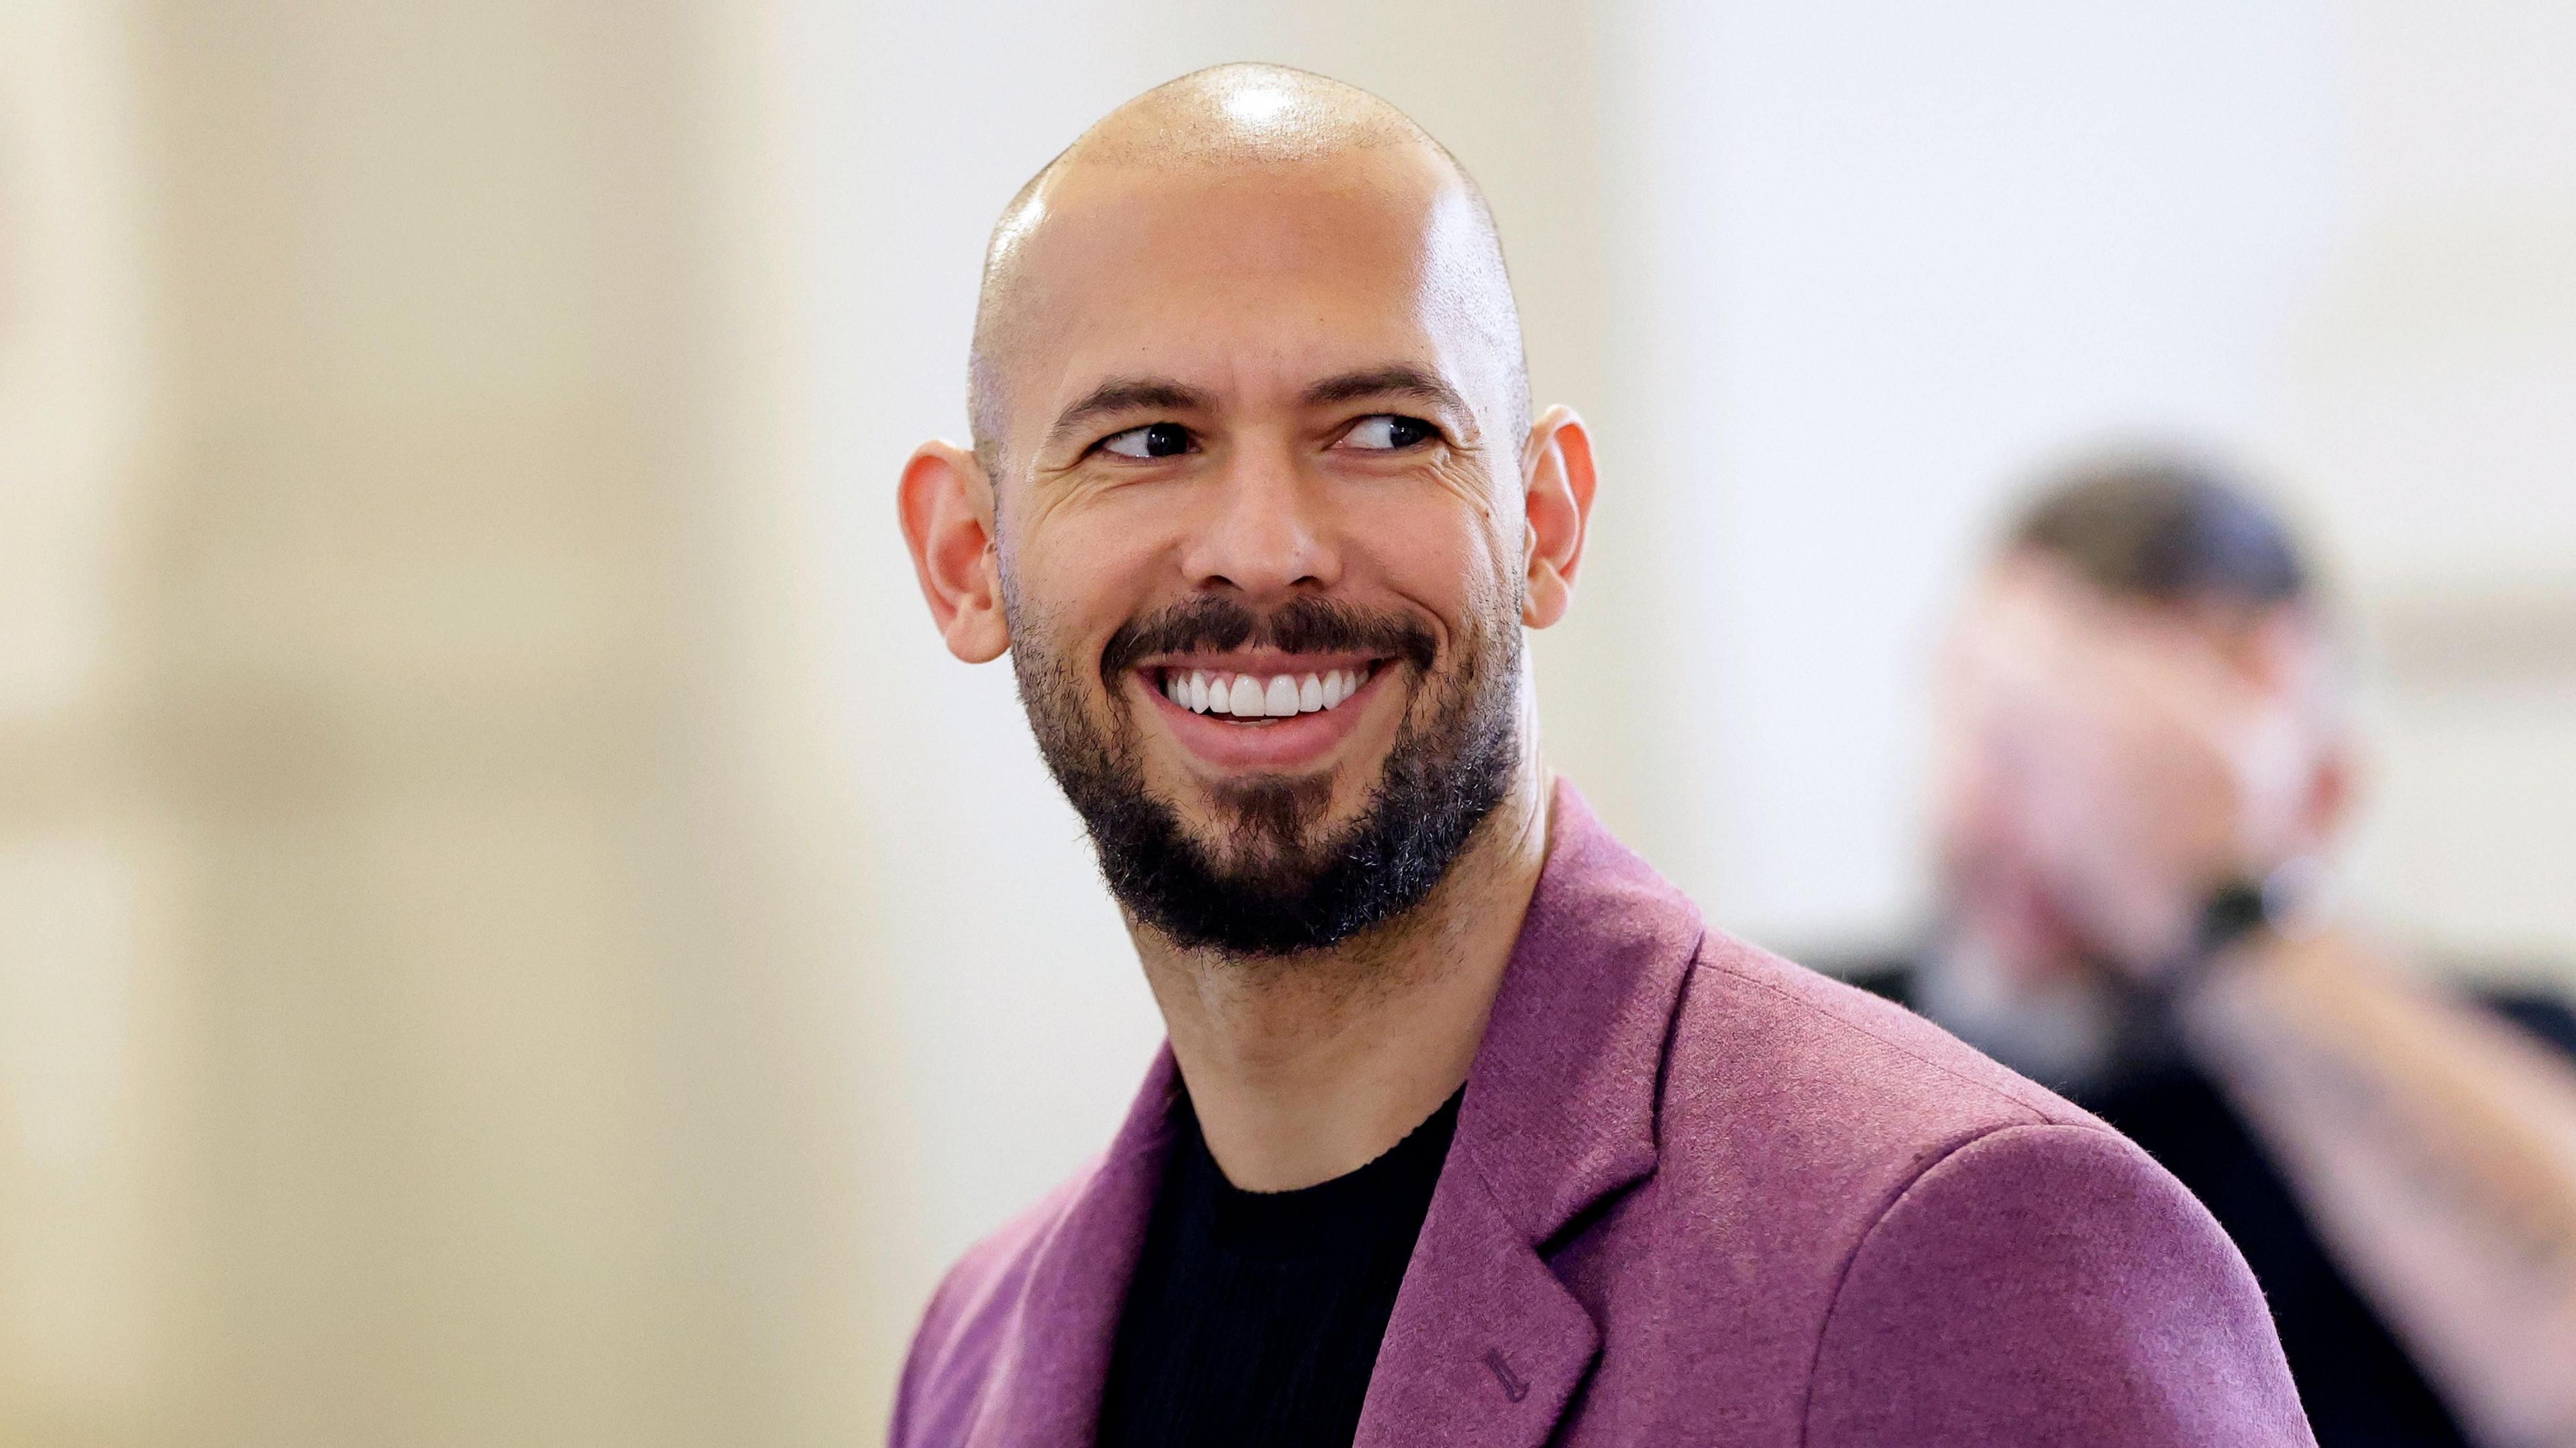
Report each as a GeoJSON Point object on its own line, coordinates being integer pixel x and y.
{"type": "Point", "coordinates": [1305, 625]}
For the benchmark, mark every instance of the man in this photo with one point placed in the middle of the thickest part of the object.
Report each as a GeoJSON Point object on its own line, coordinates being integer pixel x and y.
{"type": "Point", "coordinates": [2143, 763]}
{"type": "Point", "coordinates": [1469, 1131]}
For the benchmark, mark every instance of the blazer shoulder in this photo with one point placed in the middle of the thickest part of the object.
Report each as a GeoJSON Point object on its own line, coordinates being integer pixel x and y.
{"type": "Point", "coordinates": [1759, 1021]}
{"type": "Point", "coordinates": [969, 1313]}
{"type": "Point", "coordinates": [2049, 1282]}
{"type": "Point", "coordinates": [1794, 1109]}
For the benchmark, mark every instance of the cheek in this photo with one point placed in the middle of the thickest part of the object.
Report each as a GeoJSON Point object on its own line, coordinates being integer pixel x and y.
{"type": "Point", "coordinates": [1076, 576]}
{"type": "Point", "coordinates": [1444, 544]}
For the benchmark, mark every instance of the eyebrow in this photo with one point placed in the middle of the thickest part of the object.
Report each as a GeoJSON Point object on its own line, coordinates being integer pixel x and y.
{"type": "Point", "coordinates": [1138, 394]}
{"type": "Point", "coordinates": [1125, 394]}
{"type": "Point", "coordinates": [1399, 380]}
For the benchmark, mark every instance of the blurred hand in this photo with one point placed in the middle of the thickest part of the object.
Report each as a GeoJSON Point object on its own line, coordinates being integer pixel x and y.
{"type": "Point", "coordinates": [2138, 756]}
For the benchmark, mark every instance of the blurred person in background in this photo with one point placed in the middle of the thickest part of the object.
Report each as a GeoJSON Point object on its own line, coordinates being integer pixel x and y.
{"type": "Point", "coordinates": [1468, 1130]}
{"type": "Point", "coordinates": [2142, 770]}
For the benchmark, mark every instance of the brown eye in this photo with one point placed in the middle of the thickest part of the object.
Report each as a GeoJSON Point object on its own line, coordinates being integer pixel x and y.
{"type": "Point", "coordinates": [1154, 440]}
{"type": "Point", "coordinates": [1388, 432]}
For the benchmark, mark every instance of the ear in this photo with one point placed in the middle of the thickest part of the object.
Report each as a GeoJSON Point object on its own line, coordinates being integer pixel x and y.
{"type": "Point", "coordinates": [1557, 481]}
{"type": "Point", "coordinates": [945, 502]}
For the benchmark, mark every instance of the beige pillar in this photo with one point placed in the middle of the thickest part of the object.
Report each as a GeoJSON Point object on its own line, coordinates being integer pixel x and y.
{"type": "Point", "coordinates": [448, 968]}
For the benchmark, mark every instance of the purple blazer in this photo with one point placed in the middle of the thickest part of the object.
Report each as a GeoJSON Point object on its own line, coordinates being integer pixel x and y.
{"type": "Point", "coordinates": [1697, 1195]}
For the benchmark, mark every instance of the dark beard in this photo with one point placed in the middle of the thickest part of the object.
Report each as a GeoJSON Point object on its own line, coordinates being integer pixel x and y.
{"type": "Point", "coordinates": [1267, 888]}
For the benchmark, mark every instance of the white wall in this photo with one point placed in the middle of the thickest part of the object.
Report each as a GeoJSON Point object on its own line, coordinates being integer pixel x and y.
{"type": "Point", "coordinates": [2422, 399]}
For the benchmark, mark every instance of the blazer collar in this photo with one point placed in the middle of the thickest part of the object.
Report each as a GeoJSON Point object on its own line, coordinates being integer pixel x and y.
{"type": "Point", "coordinates": [1487, 1346]}
{"type": "Point", "coordinates": [1561, 1100]}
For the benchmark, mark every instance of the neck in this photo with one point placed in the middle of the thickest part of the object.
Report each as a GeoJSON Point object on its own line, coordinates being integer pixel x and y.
{"type": "Point", "coordinates": [1306, 1068]}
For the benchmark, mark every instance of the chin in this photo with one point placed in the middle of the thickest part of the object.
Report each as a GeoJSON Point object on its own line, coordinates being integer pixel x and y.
{"type": "Point", "coordinates": [1269, 822]}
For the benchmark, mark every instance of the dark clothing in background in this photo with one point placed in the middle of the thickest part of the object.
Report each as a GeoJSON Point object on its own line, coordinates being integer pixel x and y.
{"type": "Point", "coordinates": [1255, 1317]}
{"type": "Point", "coordinates": [2360, 1387]}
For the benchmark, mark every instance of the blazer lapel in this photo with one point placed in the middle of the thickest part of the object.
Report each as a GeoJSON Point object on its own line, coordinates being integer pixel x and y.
{"type": "Point", "coordinates": [1053, 1364]}
{"type": "Point", "coordinates": [1487, 1346]}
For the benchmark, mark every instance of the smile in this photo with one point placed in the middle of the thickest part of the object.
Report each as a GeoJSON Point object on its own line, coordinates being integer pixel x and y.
{"type": "Point", "coordinates": [1253, 696]}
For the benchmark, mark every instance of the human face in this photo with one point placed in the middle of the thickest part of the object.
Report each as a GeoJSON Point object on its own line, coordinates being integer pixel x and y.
{"type": "Point", "coordinates": [1260, 534]}
{"type": "Point", "coordinates": [2104, 764]}
{"type": "Point", "coordinates": [1996, 893]}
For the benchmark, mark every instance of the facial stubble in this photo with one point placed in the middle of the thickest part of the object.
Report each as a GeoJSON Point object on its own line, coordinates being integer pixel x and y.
{"type": "Point", "coordinates": [1276, 880]}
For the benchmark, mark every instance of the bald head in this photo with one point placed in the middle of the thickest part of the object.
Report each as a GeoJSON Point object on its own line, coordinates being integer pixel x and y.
{"type": "Point", "coordinates": [1329, 153]}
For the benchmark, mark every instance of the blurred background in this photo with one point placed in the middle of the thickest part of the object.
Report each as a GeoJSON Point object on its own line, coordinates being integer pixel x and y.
{"type": "Point", "coordinates": [512, 930]}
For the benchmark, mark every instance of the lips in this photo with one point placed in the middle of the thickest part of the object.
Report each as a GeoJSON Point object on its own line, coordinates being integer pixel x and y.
{"type": "Point", "coordinates": [1260, 710]}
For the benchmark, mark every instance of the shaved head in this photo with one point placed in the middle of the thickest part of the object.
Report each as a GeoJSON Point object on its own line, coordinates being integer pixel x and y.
{"type": "Point", "coordinates": [1233, 126]}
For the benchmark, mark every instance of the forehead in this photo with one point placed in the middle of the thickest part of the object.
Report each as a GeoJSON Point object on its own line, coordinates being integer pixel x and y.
{"type": "Point", "coordinates": [2035, 606]}
{"type": "Point", "coordinates": [2024, 597]}
{"type": "Point", "coordinates": [1250, 281]}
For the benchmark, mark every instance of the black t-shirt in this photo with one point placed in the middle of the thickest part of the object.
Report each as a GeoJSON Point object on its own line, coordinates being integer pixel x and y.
{"type": "Point", "coordinates": [2360, 1387]}
{"type": "Point", "coordinates": [1254, 1318]}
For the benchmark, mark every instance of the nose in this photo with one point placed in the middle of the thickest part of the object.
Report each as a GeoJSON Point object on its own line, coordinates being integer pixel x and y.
{"type": "Point", "coordinates": [1268, 533]}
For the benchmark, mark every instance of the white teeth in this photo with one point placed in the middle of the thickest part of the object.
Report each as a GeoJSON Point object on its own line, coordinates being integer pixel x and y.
{"type": "Point", "coordinates": [1246, 697]}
